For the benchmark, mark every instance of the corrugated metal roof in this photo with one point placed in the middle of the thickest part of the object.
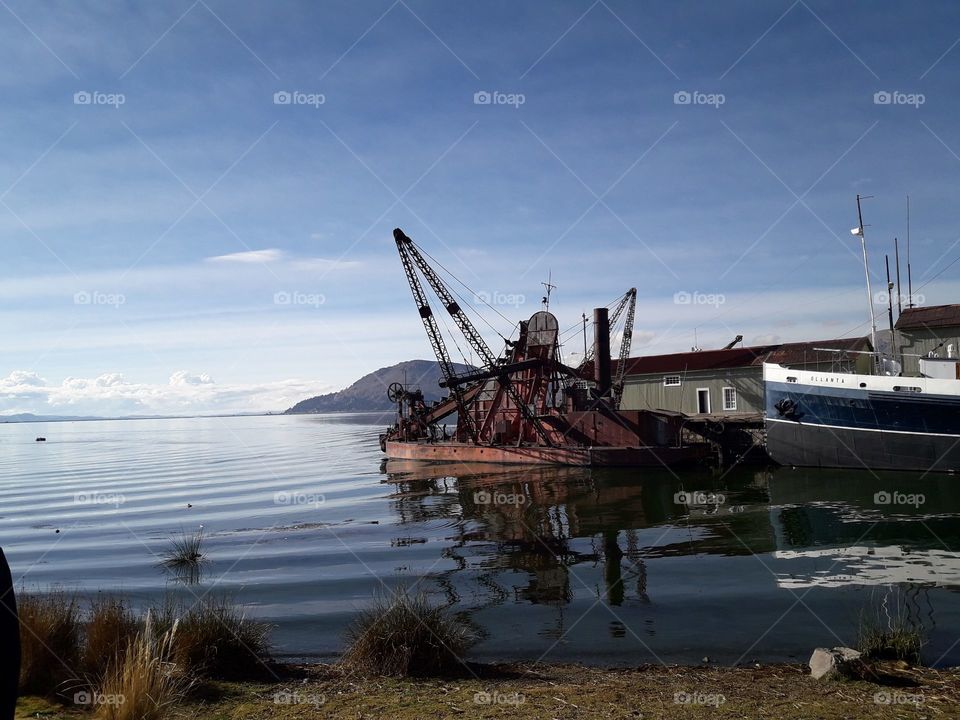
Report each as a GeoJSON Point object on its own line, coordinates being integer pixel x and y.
{"type": "Point", "coordinates": [797, 353]}
{"type": "Point", "coordinates": [935, 316]}
{"type": "Point", "coordinates": [784, 353]}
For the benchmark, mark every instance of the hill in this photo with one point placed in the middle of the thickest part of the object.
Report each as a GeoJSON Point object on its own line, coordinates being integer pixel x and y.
{"type": "Point", "coordinates": [369, 393]}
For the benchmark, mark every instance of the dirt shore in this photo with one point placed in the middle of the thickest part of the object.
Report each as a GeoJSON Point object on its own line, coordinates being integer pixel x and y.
{"type": "Point", "coordinates": [569, 691]}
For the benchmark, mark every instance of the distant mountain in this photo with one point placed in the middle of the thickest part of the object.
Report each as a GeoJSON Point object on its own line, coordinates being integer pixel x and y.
{"type": "Point", "coordinates": [30, 417]}
{"type": "Point", "coordinates": [369, 393]}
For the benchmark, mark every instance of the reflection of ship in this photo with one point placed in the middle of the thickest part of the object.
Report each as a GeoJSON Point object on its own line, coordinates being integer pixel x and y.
{"type": "Point", "coordinates": [527, 406]}
{"type": "Point", "coordinates": [851, 530]}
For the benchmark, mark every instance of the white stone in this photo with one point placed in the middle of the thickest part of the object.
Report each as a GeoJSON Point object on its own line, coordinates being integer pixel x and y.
{"type": "Point", "coordinates": [839, 661]}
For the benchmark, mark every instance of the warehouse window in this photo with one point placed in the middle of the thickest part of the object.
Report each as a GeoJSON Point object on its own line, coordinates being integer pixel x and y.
{"type": "Point", "coordinates": [671, 380]}
{"type": "Point", "coordinates": [729, 398]}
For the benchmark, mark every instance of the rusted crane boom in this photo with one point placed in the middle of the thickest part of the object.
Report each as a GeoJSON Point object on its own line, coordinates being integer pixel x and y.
{"type": "Point", "coordinates": [430, 325]}
{"type": "Point", "coordinates": [409, 250]}
{"type": "Point", "coordinates": [625, 343]}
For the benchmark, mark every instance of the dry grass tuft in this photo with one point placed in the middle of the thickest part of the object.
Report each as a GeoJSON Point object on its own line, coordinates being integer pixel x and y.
{"type": "Point", "coordinates": [109, 629]}
{"type": "Point", "coordinates": [50, 641]}
{"type": "Point", "coordinates": [146, 684]}
{"type": "Point", "coordinates": [217, 640]}
{"type": "Point", "coordinates": [891, 628]}
{"type": "Point", "coordinates": [185, 551]}
{"type": "Point", "coordinates": [404, 635]}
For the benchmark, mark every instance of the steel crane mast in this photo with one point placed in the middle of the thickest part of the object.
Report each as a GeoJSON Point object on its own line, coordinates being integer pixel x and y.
{"type": "Point", "coordinates": [426, 315]}
{"type": "Point", "coordinates": [409, 251]}
{"type": "Point", "coordinates": [439, 287]}
{"type": "Point", "coordinates": [630, 300]}
{"type": "Point", "coordinates": [615, 316]}
{"type": "Point", "coordinates": [433, 332]}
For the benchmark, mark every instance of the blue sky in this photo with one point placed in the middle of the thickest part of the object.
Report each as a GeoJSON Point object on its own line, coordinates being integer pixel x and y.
{"type": "Point", "coordinates": [153, 236]}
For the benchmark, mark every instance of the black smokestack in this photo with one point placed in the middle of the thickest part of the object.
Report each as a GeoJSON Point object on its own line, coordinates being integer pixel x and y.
{"type": "Point", "coordinates": [601, 349]}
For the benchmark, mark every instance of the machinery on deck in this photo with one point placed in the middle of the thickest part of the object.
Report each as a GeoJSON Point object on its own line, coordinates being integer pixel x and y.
{"type": "Point", "coordinates": [525, 405]}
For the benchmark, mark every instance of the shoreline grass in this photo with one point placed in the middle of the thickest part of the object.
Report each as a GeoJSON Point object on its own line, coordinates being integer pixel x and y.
{"type": "Point", "coordinates": [402, 635]}
{"type": "Point", "coordinates": [144, 683]}
{"type": "Point", "coordinates": [50, 640]}
{"type": "Point", "coordinates": [71, 651]}
{"type": "Point", "coordinates": [889, 629]}
{"type": "Point", "coordinates": [211, 662]}
{"type": "Point", "coordinates": [519, 691]}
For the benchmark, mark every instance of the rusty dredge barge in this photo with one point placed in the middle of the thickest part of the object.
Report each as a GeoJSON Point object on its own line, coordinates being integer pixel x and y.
{"type": "Point", "coordinates": [525, 405]}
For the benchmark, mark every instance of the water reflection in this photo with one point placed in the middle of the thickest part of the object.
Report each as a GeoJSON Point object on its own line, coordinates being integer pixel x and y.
{"type": "Point", "coordinates": [850, 528]}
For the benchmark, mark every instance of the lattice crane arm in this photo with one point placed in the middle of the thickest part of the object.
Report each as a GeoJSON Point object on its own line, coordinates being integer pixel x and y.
{"type": "Point", "coordinates": [625, 344]}
{"type": "Point", "coordinates": [449, 302]}
{"type": "Point", "coordinates": [614, 317]}
{"type": "Point", "coordinates": [433, 332]}
{"type": "Point", "coordinates": [426, 315]}
{"type": "Point", "coordinates": [466, 327]}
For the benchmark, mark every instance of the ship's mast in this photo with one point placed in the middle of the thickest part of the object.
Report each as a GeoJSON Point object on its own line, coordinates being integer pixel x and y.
{"type": "Point", "coordinates": [866, 269]}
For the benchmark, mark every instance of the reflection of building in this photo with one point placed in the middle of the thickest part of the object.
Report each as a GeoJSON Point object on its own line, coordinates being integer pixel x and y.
{"type": "Point", "coordinates": [725, 382]}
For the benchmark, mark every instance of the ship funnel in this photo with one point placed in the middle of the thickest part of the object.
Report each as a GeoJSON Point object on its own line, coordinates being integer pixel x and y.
{"type": "Point", "coordinates": [601, 349]}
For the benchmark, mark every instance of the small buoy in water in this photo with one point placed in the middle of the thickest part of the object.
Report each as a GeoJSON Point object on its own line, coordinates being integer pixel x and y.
{"type": "Point", "coordinates": [57, 531]}
{"type": "Point", "coordinates": [189, 505]}
{"type": "Point", "coordinates": [706, 659]}
{"type": "Point", "coordinates": [39, 439]}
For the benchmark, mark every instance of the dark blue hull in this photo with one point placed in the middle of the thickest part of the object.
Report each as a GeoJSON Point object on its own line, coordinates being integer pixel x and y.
{"type": "Point", "coordinates": [815, 426]}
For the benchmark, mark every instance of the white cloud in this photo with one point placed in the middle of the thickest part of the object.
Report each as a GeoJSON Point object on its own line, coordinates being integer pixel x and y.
{"type": "Point", "coordinates": [323, 264]}
{"type": "Point", "coordinates": [182, 377]}
{"type": "Point", "coordinates": [251, 256]}
{"type": "Point", "coordinates": [275, 255]}
{"type": "Point", "coordinates": [22, 377]}
{"type": "Point", "coordinates": [110, 380]}
{"type": "Point", "coordinates": [111, 394]}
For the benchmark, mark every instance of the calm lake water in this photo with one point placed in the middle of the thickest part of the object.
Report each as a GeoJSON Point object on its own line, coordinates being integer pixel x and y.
{"type": "Point", "coordinates": [303, 526]}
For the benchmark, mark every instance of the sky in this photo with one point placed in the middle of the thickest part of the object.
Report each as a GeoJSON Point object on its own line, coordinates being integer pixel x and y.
{"type": "Point", "coordinates": [197, 198]}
